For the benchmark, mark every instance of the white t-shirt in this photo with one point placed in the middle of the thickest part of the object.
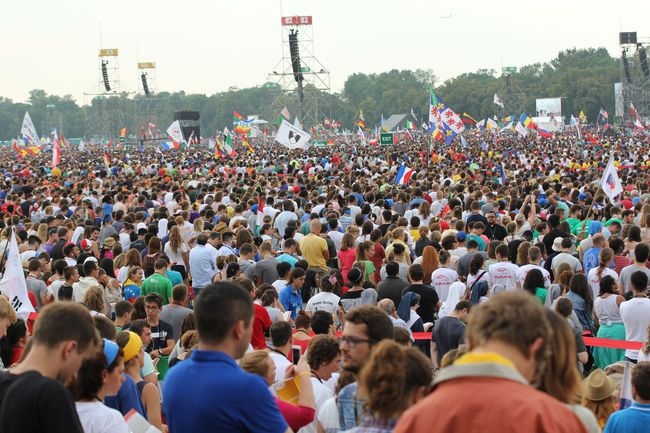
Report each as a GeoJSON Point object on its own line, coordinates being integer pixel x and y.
{"type": "Point", "coordinates": [96, 417]}
{"type": "Point", "coordinates": [321, 394]}
{"type": "Point", "coordinates": [323, 301]}
{"type": "Point", "coordinates": [281, 364]}
{"type": "Point", "coordinates": [594, 281]}
{"type": "Point", "coordinates": [523, 271]}
{"type": "Point", "coordinates": [441, 279]}
{"type": "Point", "coordinates": [328, 416]}
{"type": "Point", "coordinates": [178, 255]}
{"type": "Point", "coordinates": [636, 316]}
{"type": "Point", "coordinates": [504, 273]}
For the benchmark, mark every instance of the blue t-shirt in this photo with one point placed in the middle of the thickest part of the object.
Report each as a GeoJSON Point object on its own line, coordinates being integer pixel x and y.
{"type": "Point", "coordinates": [291, 301]}
{"type": "Point", "coordinates": [127, 398]}
{"type": "Point", "coordinates": [210, 393]}
{"type": "Point", "coordinates": [590, 259]}
{"type": "Point", "coordinates": [634, 419]}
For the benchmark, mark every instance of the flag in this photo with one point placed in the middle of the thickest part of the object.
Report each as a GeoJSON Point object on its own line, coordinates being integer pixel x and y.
{"type": "Point", "coordinates": [403, 175]}
{"type": "Point", "coordinates": [626, 398]}
{"type": "Point", "coordinates": [443, 121]}
{"type": "Point", "coordinates": [122, 135]}
{"type": "Point", "coordinates": [296, 123]}
{"type": "Point", "coordinates": [576, 123]}
{"type": "Point", "coordinates": [190, 139]}
{"type": "Point", "coordinates": [227, 144]}
{"type": "Point", "coordinates": [521, 129]}
{"type": "Point", "coordinates": [544, 133]}
{"type": "Point", "coordinates": [603, 118]}
{"type": "Point", "coordinates": [638, 124]}
{"type": "Point", "coordinates": [362, 135]}
{"type": "Point", "coordinates": [409, 125]}
{"type": "Point", "coordinates": [507, 119]}
{"type": "Point", "coordinates": [292, 137]}
{"type": "Point", "coordinates": [247, 144]}
{"type": "Point", "coordinates": [610, 182]}
{"type": "Point", "coordinates": [28, 131]}
{"type": "Point", "coordinates": [175, 132]}
{"type": "Point", "coordinates": [106, 163]}
{"type": "Point", "coordinates": [509, 127]}
{"type": "Point", "coordinates": [435, 121]}
{"type": "Point", "coordinates": [13, 284]}
{"type": "Point", "coordinates": [56, 151]}
{"type": "Point", "coordinates": [33, 150]}
{"type": "Point", "coordinates": [591, 138]}
{"type": "Point", "coordinates": [502, 174]}
{"type": "Point", "coordinates": [236, 117]}
{"type": "Point", "coordinates": [526, 120]}
{"type": "Point", "coordinates": [259, 220]}
{"type": "Point", "coordinates": [582, 116]}
{"type": "Point", "coordinates": [413, 114]}
{"type": "Point", "coordinates": [361, 122]}
{"type": "Point", "coordinates": [463, 142]}
{"type": "Point", "coordinates": [497, 101]}
{"type": "Point", "coordinates": [633, 111]}
{"type": "Point", "coordinates": [285, 113]}
{"type": "Point", "coordinates": [490, 124]}
{"type": "Point", "coordinates": [20, 152]}
{"type": "Point", "coordinates": [242, 129]}
{"type": "Point", "coordinates": [468, 120]}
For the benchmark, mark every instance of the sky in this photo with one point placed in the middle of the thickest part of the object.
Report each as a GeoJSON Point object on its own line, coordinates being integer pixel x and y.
{"type": "Point", "coordinates": [208, 46]}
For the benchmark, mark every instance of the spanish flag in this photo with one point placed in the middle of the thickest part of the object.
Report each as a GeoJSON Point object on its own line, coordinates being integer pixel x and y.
{"type": "Point", "coordinates": [247, 144]}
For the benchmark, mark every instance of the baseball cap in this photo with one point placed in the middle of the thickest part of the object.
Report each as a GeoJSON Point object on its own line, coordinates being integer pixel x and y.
{"type": "Point", "coordinates": [86, 244]}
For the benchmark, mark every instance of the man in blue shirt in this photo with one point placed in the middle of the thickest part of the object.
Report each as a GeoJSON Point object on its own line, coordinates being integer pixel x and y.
{"type": "Point", "coordinates": [203, 263]}
{"type": "Point", "coordinates": [209, 392]}
{"type": "Point", "coordinates": [636, 418]}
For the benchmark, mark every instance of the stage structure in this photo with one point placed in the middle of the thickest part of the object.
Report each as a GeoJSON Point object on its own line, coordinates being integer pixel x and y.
{"type": "Point", "coordinates": [299, 79]}
{"type": "Point", "coordinates": [635, 76]}
{"type": "Point", "coordinates": [511, 96]}
{"type": "Point", "coordinates": [151, 112]}
{"type": "Point", "coordinates": [105, 115]}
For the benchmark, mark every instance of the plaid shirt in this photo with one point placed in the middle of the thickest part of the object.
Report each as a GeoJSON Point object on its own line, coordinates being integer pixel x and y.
{"type": "Point", "coordinates": [374, 425]}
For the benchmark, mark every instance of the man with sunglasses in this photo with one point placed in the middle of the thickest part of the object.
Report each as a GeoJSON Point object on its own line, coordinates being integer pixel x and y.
{"type": "Point", "coordinates": [364, 327]}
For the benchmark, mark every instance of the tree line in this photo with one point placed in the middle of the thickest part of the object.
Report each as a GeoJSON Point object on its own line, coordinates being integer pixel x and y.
{"type": "Point", "coordinates": [583, 78]}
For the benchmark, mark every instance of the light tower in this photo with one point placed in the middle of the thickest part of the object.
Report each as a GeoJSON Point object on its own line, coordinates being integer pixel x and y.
{"type": "Point", "coordinates": [635, 75]}
{"type": "Point", "coordinates": [299, 79]}
{"type": "Point", "coordinates": [151, 110]}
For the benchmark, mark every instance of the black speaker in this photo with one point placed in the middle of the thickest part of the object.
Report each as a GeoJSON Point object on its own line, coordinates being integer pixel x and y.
{"type": "Point", "coordinates": [189, 121]}
{"type": "Point", "coordinates": [643, 61]}
{"type": "Point", "coordinates": [107, 84]}
{"type": "Point", "coordinates": [295, 55]}
{"type": "Point", "coordinates": [626, 66]}
{"type": "Point", "coordinates": [145, 86]}
{"type": "Point", "coordinates": [627, 38]}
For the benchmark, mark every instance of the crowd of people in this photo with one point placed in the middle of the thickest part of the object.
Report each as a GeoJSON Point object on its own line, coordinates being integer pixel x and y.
{"type": "Point", "coordinates": [309, 291]}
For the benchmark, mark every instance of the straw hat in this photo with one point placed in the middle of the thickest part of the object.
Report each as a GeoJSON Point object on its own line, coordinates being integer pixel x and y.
{"type": "Point", "coordinates": [597, 386]}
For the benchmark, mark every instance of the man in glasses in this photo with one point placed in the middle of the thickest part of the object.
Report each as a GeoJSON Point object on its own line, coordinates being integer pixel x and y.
{"type": "Point", "coordinates": [494, 230]}
{"type": "Point", "coordinates": [162, 333]}
{"type": "Point", "coordinates": [364, 327]}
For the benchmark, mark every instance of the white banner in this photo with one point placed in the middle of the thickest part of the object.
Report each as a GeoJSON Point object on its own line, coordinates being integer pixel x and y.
{"type": "Point", "coordinates": [175, 132]}
{"type": "Point", "coordinates": [292, 137]}
{"type": "Point", "coordinates": [29, 132]}
{"type": "Point", "coordinates": [13, 283]}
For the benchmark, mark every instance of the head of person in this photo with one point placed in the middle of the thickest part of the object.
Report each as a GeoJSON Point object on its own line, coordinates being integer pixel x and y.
{"type": "Point", "coordinates": [67, 332]}
{"type": "Point", "coordinates": [394, 378]}
{"type": "Point", "coordinates": [280, 333]}
{"type": "Point", "coordinates": [517, 322]}
{"type": "Point", "coordinates": [224, 318]}
{"type": "Point", "coordinates": [365, 326]}
{"type": "Point", "coordinates": [462, 310]}
{"type": "Point", "coordinates": [143, 329]}
{"type": "Point", "coordinates": [7, 315]}
{"type": "Point", "coordinates": [123, 310]}
{"type": "Point", "coordinates": [100, 375]}
{"type": "Point", "coordinates": [260, 363]}
{"type": "Point", "coordinates": [297, 278]}
{"type": "Point", "coordinates": [641, 253]}
{"type": "Point", "coordinates": [534, 280]}
{"type": "Point", "coordinates": [324, 356]}
{"type": "Point", "coordinates": [641, 382]}
{"type": "Point", "coordinates": [322, 322]}
{"type": "Point", "coordinates": [133, 349]}
{"type": "Point", "coordinates": [152, 305]}
{"type": "Point", "coordinates": [598, 395]}
{"type": "Point", "coordinates": [416, 273]}
{"type": "Point", "coordinates": [179, 294]}
{"type": "Point", "coordinates": [639, 282]}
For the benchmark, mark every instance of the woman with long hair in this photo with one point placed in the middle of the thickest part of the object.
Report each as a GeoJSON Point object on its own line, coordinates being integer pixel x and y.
{"type": "Point", "coordinates": [596, 274]}
{"type": "Point", "coordinates": [94, 301]}
{"type": "Point", "coordinates": [430, 261]}
{"type": "Point", "coordinates": [560, 377]}
{"type": "Point", "coordinates": [394, 378]}
{"type": "Point", "coordinates": [131, 287]}
{"type": "Point", "coordinates": [99, 376]}
{"type": "Point", "coordinates": [131, 258]}
{"type": "Point", "coordinates": [346, 255]}
{"type": "Point", "coordinates": [154, 252]}
{"type": "Point", "coordinates": [534, 284]}
{"type": "Point", "coordinates": [424, 211]}
{"type": "Point", "coordinates": [598, 396]}
{"type": "Point", "coordinates": [583, 303]}
{"type": "Point", "coordinates": [363, 254]}
{"type": "Point", "coordinates": [478, 280]}
{"type": "Point", "coordinates": [522, 253]}
{"type": "Point", "coordinates": [378, 252]}
{"type": "Point", "coordinates": [178, 252]}
{"type": "Point", "coordinates": [606, 307]}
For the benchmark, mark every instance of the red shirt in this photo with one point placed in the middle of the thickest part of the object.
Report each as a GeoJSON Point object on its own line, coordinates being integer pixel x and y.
{"type": "Point", "coordinates": [261, 325]}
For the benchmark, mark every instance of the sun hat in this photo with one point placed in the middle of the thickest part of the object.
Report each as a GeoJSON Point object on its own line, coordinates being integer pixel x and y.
{"type": "Point", "coordinates": [597, 386]}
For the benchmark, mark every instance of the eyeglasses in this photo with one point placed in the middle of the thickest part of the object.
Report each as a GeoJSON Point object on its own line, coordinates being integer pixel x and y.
{"type": "Point", "coordinates": [352, 341]}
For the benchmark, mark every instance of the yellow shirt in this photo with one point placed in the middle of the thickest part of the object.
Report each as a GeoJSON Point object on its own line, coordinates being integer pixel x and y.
{"type": "Point", "coordinates": [312, 248]}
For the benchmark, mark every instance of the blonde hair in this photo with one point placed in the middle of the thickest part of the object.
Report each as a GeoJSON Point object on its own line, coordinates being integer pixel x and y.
{"type": "Point", "coordinates": [175, 240]}
{"type": "Point", "coordinates": [94, 299]}
{"type": "Point", "coordinates": [6, 310]}
{"type": "Point", "coordinates": [255, 362]}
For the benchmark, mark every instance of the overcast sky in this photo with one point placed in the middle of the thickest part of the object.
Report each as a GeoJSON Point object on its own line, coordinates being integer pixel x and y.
{"type": "Point", "coordinates": [206, 46]}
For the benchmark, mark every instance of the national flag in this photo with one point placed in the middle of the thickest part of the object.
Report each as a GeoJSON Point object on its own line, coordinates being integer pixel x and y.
{"type": "Point", "coordinates": [602, 113]}
{"type": "Point", "coordinates": [292, 137]}
{"type": "Point", "coordinates": [285, 113]}
{"type": "Point", "coordinates": [56, 151]}
{"type": "Point", "coordinates": [610, 182]}
{"type": "Point", "coordinates": [259, 220]}
{"type": "Point", "coordinates": [408, 134]}
{"type": "Point", "coordinates": [633, 111]}
{"type": "Point", "coordinates": [382, 125]}
{"type": "Point", "coordinates": [603, 118]}
{"type": "Point", "coordinates": [626, 398]}
{"type": "Point", "coordinates": [435, 121]}
{"type": "Point", "coordinates": [544, 133]}
{"type": "Point", "coordinates": [28, 131]}
{"type": "Point", "coordinates": [521, 129]}
{"type": "Point", "coordinates": [463, 142]}
{"type": "Point", "coordinates": [638, 124]}
{"type": "Point", "coordinates": [122, 135]}
{"type": "Point", "coordinates": [403, 175]}
{"type": "Point", "coordinates": [362, 135]}
{"type": "Point", "coordinates": [227, 144]}
{"type": "Point", "coordinates": [502, 174]}
{"type": "Point", "coordinates": [242, 129]}
{"type": "Point", "coordinates": [175, 132]}
{"type": "Point", "coordinates": [576, 123]}
{"type": "Point", "coordinates": [526, 121]}
{"type": "Point", "coordinates": [33, 150]}
{"type": "Point", "coordinates": [507, 119]}
{"type": "Point", "coordinates": [247, 144]}
{"type": "Point", "coordinates": [361, 122]}
{"type": "Point", "coordinates": [490, 124]}
{"type": "Point", "coordinates": [106, 163]}
{"type": "Point", "coordinates": [236, 117]}
{"type": "Point", "coordinates": [468, 120]}
{"type": "Point", "coordinates": [13, 284]}
{"type": "Point", "coordinates": [20, 151]}
{"type": "Point", "coordinates": [583, 116]}
{"type": "Point", "coordinates": [591, 138]}
{"type": "Point", "coordinates": [497, 101]}
{"type": "Point", "coordinates": [409, 125]}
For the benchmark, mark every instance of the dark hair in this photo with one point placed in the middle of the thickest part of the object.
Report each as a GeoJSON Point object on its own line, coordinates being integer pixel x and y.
{"type": "Point", "coordinates": [90, 378]}
{"type": "Point", "coordinates": [65, 321]}
{"type": "Point", "coordinates": [378, 324]}
{"type": "Point", "coordinates": [607, 285]}
{"type": "Point", "coordinates": [105, 327]}
{"type": "Point", "coordinates": [641, 252]}
{"type": "Point", "coordinates": [476, 264]}
{"type": "Point", "coordinates": [392, 268]}
{"type": "Point", "coordinates": [463, 305]}
{"type": "Point", "coordinates": [283, 268]}
{"type": "Point", "coordinates": [321, 321]}
{"type": "Point", "coordinates": [641, 380]}
{"type": "Point", "coordinates": [534, 279]}
{"type": "Point", "coordinates": [639, 281]}
{"type": "Point", "coordinates": [138, 309]}
{"type": "Point", "coordinates": [123, 307]}
{"type": "Point", "coordinates": [154, 297]}
{"type": "Point", "coordinates": [218, 308]}
{"type": "Point", "coordinates": [302, 320]}
{"type": "Point", "coordinates": [580, 286]}
{"type": "Point", "coordinates": [564, 306]}
{"type": "Point", "coordinates": [323, 349]}
{"type": "Point", "coordinates": [179, 292]}
{"type": "Point", "coordinates": [280, 333]}
{"type": "Point", "coordinates": [416, 272]}
{"type": "Point", "coordinates": [138, 326]}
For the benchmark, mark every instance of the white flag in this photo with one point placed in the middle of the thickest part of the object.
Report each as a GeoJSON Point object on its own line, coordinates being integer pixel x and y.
{"type": "Point", "coordinates": [610, 182]}
{"type": "Point", "coordinates": [296, 123]}
{"type": "Point", "coordinates": [521, 129]}
{"type": "Point", "coordinates": [29, 132]}
{"type": "Point", "coordinates": [285, 113]}
{"type": "Point", "coordinates": [491, 124]}
{"type": "Point", "coordinates": [175, 132]}
{"type": "Point", "coordinates": [13, 283]}
{"type": "Point", "coordinates": [292, 137]}
{"type": "Point", "coordinates": [509, 127]}
{"type": "Point", "coordinates": [497, 100]}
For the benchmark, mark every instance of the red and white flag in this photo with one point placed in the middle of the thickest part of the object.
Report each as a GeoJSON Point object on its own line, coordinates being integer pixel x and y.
{"type": "Point", "coordinates": [56, 151]}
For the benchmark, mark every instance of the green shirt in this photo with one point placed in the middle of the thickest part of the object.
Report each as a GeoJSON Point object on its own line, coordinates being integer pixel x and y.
{"type": "Point", "coordinates": [479, 240]}
{"type": "Point", "coordinates": [157, 283]}
{"type": "Point", "coordinates": [541, 295]}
